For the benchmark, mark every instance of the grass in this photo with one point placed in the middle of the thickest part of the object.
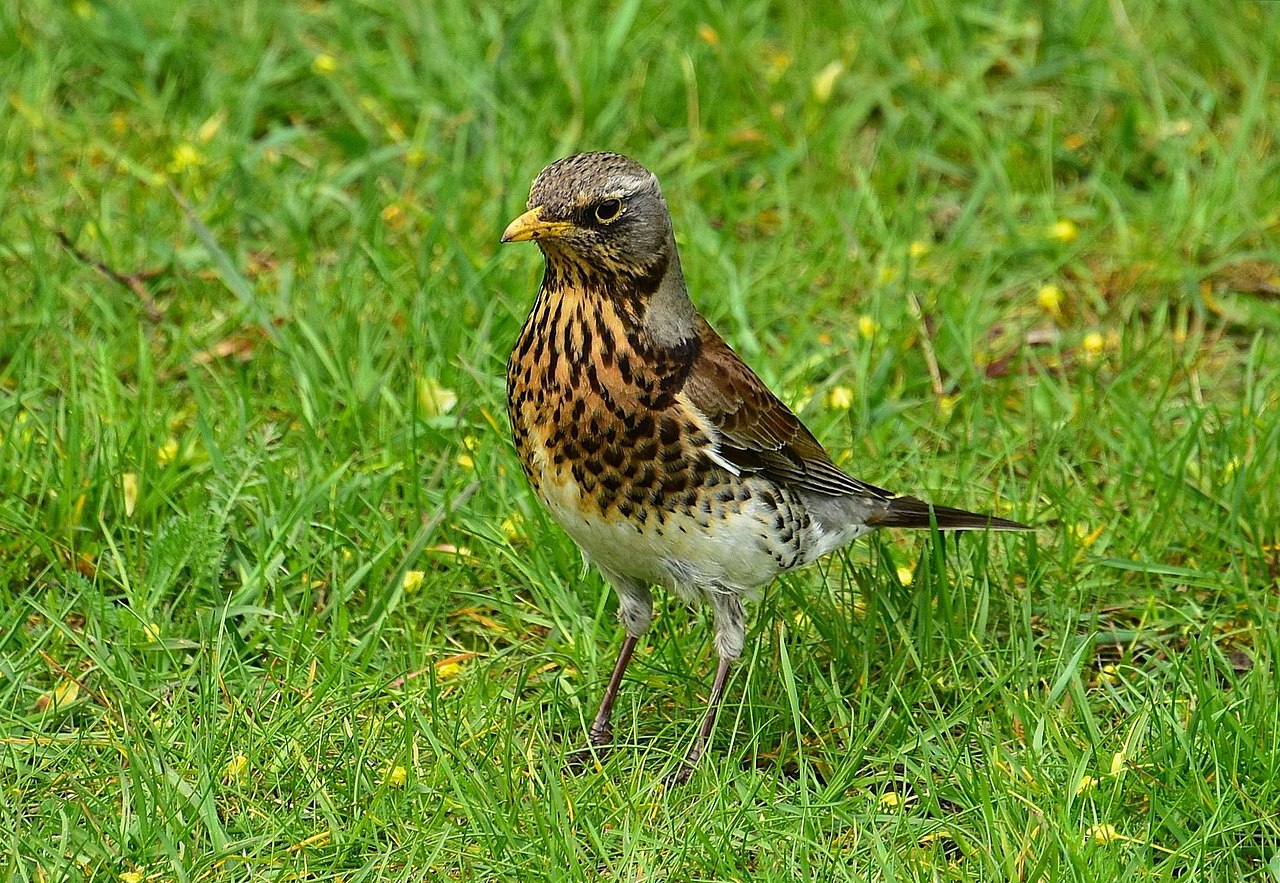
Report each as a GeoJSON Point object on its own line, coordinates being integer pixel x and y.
{"type": "Point", "coordinates": [275, 602]}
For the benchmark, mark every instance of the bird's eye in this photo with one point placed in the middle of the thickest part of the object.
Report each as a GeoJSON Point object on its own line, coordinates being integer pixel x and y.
{"type": "Point", "coordinates": [607, 212]}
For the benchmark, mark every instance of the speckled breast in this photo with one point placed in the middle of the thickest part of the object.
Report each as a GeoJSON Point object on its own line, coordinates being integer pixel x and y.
{"type": "Point", "coordinates": [622, 469]}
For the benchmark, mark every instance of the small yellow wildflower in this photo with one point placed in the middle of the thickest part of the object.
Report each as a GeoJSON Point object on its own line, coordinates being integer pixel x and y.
{"type": "Point", "coordinates": [1093, 344]}
{"type": "Point", "coordinates": [324, 64]}
{"type": "Point", "coordinates": [840, 398]}
{"type": "Point", "coordinates": [151, 631]}
{"type": "Point", "coordinates": [412, 580]}
{"type": "Point", "coordinates": [185, 157]}
{"type": "Point", "coordinates": [393, 216]}
{"type": "Point", "coordinates": [167, 452]}
{"type": "Point", "coordinates": [891, 799]}
{"type": "Point", "coordinates": [1049, 297]}
{"type": "Point", "coordinates": [867, 326]}
{"type": "Point", "coordinates": [511, 526]}
{"type": "Point", "coordinates": [918, 249]}
{"type": "Point", "coordinates": [446, 670]}
{"type": "Point", "coordinates": [465, 461]}
{"type": "Point", "coordinates": [236, 771]}
{"type": "Point", "coordinates": [130, 876]}
{"type": "Point", "coordinates": [397, 776]}
{"type": "Point", "coordinates": [1108, 674]}
{"type": "Point", "coordinates": [906, 575]}
{"type": "Point", "coordinates": [1063, 231]}
{"type": "Point", "coordinates": [946, 404]}
{"type": "Point", "coordinates": [1102, 834]}
{"type": "Point", "coordinates": [708, 35]}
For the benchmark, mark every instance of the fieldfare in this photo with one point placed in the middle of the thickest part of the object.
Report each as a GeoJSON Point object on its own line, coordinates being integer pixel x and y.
{"type": "Point", "coordinates": [650, 442]}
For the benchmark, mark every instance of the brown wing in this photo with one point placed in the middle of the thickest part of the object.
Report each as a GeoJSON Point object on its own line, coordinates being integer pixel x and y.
{"type": "Point", "coordinates": [758, 433]}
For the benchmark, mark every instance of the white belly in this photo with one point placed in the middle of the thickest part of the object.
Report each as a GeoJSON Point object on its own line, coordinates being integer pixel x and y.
{"type": "Point", "coordinates": [728, 548]}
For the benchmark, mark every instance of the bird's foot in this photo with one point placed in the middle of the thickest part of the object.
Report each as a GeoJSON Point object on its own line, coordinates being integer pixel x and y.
{"type": "Point", "coordinates": [679, 776]}
{"type": "Point", "coordinates": [591, 755]}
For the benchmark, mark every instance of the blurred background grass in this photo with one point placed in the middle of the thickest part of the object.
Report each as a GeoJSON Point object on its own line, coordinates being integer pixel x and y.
{"type": "Point", "coordinates": [277, 603]}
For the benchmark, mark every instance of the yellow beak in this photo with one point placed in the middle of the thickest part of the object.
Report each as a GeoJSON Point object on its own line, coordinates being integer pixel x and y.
{"type": "Point", "coordinates": [530, 226]}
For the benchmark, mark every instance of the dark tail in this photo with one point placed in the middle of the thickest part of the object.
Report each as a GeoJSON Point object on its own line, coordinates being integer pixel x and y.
{"type": "Point", "coordinates": [910, 512]}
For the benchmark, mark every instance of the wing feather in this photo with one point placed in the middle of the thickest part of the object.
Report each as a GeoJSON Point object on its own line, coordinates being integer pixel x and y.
{"type": "Point", "coordinates": [754, 431]}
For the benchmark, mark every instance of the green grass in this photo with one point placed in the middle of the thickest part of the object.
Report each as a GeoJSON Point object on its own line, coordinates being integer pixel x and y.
{"type": "Point", "coordinates": [212, 666]}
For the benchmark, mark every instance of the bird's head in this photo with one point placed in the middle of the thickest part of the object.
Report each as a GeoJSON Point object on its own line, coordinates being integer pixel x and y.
{"type": "Point", "coordinates": [601, 214]}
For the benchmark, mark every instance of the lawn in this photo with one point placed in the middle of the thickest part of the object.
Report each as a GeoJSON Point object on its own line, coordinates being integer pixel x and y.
{"type": "Point", "coordinates": [277, 604]}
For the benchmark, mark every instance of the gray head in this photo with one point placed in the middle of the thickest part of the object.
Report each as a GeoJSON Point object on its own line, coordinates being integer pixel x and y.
{"type": "Point", "coordinates": [602, 211]}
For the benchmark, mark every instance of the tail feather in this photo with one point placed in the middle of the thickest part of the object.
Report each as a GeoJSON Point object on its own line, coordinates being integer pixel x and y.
{"type": "Point", "coordinates": [910, 512]}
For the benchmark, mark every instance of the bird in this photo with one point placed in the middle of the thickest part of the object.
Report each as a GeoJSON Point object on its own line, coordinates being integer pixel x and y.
{"type": "Point", "coordinates": [651, 443]}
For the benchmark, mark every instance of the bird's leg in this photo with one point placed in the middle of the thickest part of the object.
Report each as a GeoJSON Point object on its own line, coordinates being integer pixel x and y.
{"type": "Point", "coordinates": [730, 636]}
{"type": "Point", "coordinates": [699, 746]}
{"type": "Point", "coordinates": [601, 731]}
{"type": "Point", "coordinates": [635, 608]}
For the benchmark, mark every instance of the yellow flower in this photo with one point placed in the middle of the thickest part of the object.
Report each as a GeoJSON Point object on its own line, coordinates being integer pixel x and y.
{"type": "Point", "coordinates": [1093, 344]}
{"type": "Point", "coordinates": [465, 461]}
{"type": "Point", "coordinates": [906, 575]}
{"type": "Point", "coordinates": [867, 327]}
{"type": "Point", "coordinates": [1049, 297]}
{"type": "Point", "coordinates": [396, 776]}
{"type": "Point", "coordinates": [323, 64]}
{"type": "Point", "coordinates": [1102, 834]}
{"type": "Point", "coordinates": [708, 34]}
{"type": "Point", "coordinates": [412, 580]}
{"type": "Point", "coordinates": [185, 157]}
{"type": "Point", "coordinates": [840, 398]}
{"type": "Point", "coordinates": [918, 249]}
{"type": "Point", "coordinates": [167, 452]}
{"type": "Point", "coordinates": [130, 876]}
{"type": "Point", "coordinates": [511, 526]}
{"type": "Point", "coordinates": [236, 770]}
{"type": "Point", "coordinates": [1063, 231]}
{"type": "Point", "coordinates": [446, 670]}
{"type": "Point", "coordinates": [393, 216]}
{"type": "Point", "coordinates": [151, 631]}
